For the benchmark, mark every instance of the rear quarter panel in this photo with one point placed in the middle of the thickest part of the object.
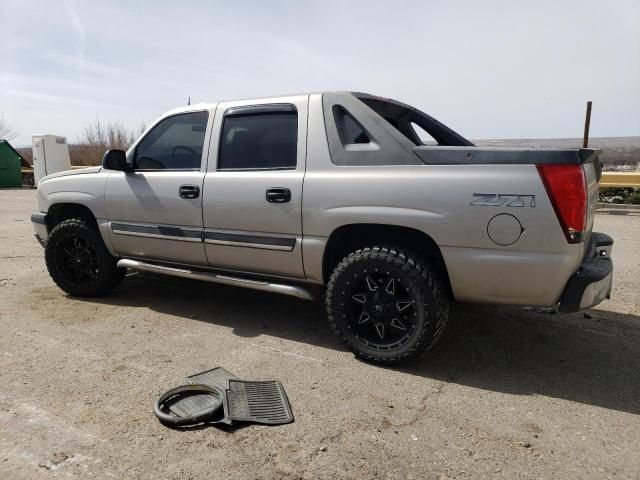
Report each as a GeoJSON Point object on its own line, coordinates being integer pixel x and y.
{"type": "Point", "coordinates": [436, 199]}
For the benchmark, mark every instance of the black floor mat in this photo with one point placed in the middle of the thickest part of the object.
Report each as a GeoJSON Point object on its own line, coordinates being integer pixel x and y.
{"type": "Point", "coordinates": [193, 404]}
{"type": "Point", "coordinates": [216, 377]}
{"type": "Point", "coordinates": [259, 402]}
{"type": "Point", "coordinates": [243, 400]}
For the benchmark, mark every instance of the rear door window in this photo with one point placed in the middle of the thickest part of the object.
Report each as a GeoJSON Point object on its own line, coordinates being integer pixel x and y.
{"type": "Point", "coordinates": [259, 141]}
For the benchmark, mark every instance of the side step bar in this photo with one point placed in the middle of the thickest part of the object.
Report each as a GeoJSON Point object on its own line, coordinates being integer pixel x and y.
{"type": "Point", "coordinates": [292, 290]}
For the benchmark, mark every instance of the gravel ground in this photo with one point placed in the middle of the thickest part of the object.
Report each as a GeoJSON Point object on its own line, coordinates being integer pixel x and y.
{"type": "Point", "coordinates": [508, 393]}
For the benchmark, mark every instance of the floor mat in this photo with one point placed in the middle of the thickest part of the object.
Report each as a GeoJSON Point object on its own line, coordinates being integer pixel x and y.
{"type": "Point", "coordinates": [216, 377]}
{"type": "Point", "coordinates": [193, 404]}
{"type": "Point", "coordinates": [260, 402]}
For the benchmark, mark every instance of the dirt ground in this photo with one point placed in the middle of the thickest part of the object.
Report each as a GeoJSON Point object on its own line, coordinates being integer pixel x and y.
{"type": "Point", "coordinates": [508, 393]}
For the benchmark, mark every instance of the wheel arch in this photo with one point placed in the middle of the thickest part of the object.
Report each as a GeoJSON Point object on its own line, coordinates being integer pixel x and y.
{"type": "Point", "coordinates": [351, 237]}
{"type": "Point", "coordinates": [59, 212]}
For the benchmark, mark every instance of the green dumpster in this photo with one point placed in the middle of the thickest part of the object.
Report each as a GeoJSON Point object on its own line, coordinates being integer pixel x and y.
{"type": "Point", "coordinates": [10, 166]}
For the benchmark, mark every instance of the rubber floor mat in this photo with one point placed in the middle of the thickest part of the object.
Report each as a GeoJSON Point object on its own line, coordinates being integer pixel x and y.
{"type": "Point", "coordinates": [193, 404]}
{"type": "Point", "coordinates": [260, 402]}
{"type": "Point", "coordinates": [216, 377]}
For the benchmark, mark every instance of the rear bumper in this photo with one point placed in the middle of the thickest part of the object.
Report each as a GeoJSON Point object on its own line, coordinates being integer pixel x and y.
{"type": "Point", "coordinates": [39, 222]}
{"type": "Point", "coordinates": [591, 284]}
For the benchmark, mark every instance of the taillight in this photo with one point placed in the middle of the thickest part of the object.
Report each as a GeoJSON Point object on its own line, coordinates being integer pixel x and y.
{"type": "Point", "coordinates": [567, 190]}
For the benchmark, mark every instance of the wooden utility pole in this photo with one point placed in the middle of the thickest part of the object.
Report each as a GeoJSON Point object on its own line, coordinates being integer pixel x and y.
{"type": "Point", "coordinates": [587, 122]}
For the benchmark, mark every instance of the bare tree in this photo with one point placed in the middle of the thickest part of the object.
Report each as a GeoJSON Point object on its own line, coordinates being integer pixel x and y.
{"type": "Point", "coordinates": [6, 133]}
{"type": "Point", "coordinates": [109, 135]}
{"type": "Point", "coordinates": [99, 137]}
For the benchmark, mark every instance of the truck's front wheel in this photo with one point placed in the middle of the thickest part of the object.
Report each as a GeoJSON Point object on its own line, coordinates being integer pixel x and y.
{"type": "Point", "coordinates": [78, 260]}
{"type": "Point", "coordinates": [386, 305]}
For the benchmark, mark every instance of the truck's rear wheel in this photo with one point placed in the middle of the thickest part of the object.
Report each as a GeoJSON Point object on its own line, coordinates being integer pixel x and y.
{"type": "Point", "coordinates": [386, 305]}
{"type": "Point", "coordinates": [78, 261]}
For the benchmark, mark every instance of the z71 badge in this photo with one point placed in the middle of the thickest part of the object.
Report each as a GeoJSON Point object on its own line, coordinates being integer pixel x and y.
{"type": "Point", "coordinates": [503, 200]}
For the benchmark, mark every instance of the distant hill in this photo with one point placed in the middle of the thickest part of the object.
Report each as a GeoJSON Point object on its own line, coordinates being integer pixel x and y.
{"type": "Point", "coordinates": [618, 153]}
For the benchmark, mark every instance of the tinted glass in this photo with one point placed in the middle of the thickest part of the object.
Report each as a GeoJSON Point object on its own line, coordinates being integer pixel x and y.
{"type": "Point", "coordinates": [264, 141]}
{"type": "Point", "coordinates": [175, 143]}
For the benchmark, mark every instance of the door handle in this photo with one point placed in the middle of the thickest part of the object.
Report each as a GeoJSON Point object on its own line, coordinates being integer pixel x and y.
{"type": "Point", "coordinates": [278, 195]}
{"type": "Point", "coordinates": [189, 191]}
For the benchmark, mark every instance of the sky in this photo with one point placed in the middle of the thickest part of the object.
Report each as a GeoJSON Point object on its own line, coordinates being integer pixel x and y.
{"type": "Point", "coordinates": [488, 69]}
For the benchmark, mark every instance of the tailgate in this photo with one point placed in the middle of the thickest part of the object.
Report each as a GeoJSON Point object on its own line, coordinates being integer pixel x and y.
{"type": "Point", "coordinates": [592, 172]}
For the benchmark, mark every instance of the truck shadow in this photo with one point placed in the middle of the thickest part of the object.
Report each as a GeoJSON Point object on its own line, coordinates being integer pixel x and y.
{"type": "Point", "coordinates": [591, 358]}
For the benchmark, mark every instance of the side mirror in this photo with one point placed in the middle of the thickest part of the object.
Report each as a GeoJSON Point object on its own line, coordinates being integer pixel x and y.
{"type": "Point", "coordinates": [116, 160]}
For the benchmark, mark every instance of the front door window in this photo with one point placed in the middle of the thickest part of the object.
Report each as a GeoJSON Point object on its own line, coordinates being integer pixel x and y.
{"type": "Point", "coordinates": [173, 144]}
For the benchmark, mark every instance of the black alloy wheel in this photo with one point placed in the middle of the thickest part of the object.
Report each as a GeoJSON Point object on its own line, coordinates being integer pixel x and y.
{"type": "Point", "coordinates": [387, 305]}
{"type": "Point", "coordinates": [383, 312]}
{"type": "Point", "coordinates": [78, 260]}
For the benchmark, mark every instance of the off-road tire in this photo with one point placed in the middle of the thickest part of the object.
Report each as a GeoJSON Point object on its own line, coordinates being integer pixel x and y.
{"type": "Point", "coordinates": [421, 281]}
{"type": "Point", "coordinates": [104, 274]}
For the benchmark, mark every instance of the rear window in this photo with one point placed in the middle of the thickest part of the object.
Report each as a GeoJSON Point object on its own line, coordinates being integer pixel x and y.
{"type": "Point", "coordinates": [264, 141]}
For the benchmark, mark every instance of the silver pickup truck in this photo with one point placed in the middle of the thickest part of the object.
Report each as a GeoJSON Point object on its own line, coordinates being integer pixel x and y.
{"type": "Point", "coordinates": [334, 193]}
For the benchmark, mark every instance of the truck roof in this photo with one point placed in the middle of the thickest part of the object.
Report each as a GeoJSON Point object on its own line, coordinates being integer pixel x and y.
{"type": "Point", "coordinates": [206, 105]}
{"type": "Point", "coordinates": [398, 114]}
